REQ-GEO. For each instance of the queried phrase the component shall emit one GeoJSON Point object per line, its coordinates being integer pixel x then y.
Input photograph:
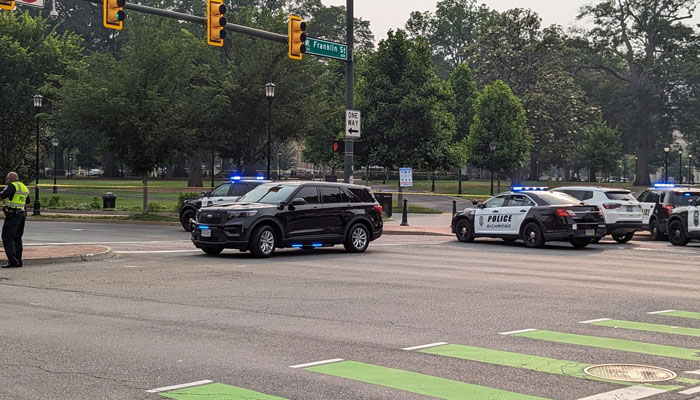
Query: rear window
{"type": "Point", "coordinates": [682, 198]}
{"type": "Point", "coordinates": [578, 194]}
{"type": "Point", "coordinates": [619, 195]}
{"type": "Point", "coordinates": [557, 198]}
{"type": "Point", "coordinates": [239, 189]}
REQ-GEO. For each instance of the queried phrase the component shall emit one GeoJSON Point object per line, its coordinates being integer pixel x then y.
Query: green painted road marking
{"type": "Point", "coordinates": [615, 344]}
{"type": "Point", "coordinates": [682, 314]}
{"type": "Point", "coordinates": [413, 382]}
{"type": "Point", "coordinates": [689, 381]}
{"type": "Point", "coordinates": [525, 361]}
{"type": "Point", "coordinates": [217, 391]}
{"type": "Point", "coordinates": [641, 326]}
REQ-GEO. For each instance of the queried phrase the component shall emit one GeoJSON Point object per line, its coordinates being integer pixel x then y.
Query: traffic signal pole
{"type": "Point", "coordinates": [349, 89]}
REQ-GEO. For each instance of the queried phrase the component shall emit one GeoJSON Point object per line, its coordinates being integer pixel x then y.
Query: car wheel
{"type": "Point", "coordinates": [185, 219]}
{"type": "Point", "coordinates": [532, 235]}
{"type": "Point", "coordinates": [357, 240]}
{"type": "Point", "coordinates": [595, 240]}
{"type": "Point", "coordinates": [676, 233]}
{"type": "Point", "coordinates": [212, 251]}
{"type": "Point", "coordinates": [655, 231]}
{"type": "Point", "coordinates": [263, 242]}
{"type": "Point", "coordinates": [580, 243]}
{"type": "Point", "coordinates": [465, 232]}
{"type": "Point", "coordinates": [623, 237]}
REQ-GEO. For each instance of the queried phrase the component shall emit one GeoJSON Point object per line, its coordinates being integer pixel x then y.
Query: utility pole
{"type": "Point", "coordinates": [349, 88]}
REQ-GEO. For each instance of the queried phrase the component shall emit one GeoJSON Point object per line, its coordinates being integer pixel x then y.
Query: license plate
{"type": "Point", "coordinates": [590, 232]}
{"type": "Point", "coordinates": [206, 232]}
{"type": "Point", "coordinates": [630, 209]}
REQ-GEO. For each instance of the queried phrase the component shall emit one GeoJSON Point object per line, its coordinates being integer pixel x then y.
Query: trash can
{"type": "Point", "coordinates": [384, 200]}
{"type": "Point", "coordinates": [330, 178]}
{"type": "Point", "coordinates": [109, 200]}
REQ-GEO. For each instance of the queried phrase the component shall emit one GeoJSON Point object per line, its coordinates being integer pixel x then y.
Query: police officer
{"type": "Point", "coordinates": [14, 198]}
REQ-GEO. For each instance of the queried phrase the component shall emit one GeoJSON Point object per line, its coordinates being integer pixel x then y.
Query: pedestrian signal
{"type": "Point", "coordinates": [338, 146]}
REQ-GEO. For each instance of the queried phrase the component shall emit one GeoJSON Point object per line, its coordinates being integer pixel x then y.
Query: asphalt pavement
{"type": "Point", "coordinates": [501, 321]}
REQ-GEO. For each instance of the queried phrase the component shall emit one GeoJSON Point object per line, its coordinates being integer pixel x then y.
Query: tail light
{"type": "Point", "coordinates": [379, 209]}
{"type": "Point", "coordinates": [612, 206]}
{"type": "Point", "coordinates": [563, 212]}
{"type": "Point", "coordinates": [669, 208]}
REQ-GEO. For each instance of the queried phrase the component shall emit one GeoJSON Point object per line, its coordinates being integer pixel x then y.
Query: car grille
{"type": "Point", "coordinates": [210, 218]}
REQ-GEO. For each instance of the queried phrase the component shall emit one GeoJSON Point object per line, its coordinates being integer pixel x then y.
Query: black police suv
{"type": "Point", "coordinates": [658, 204]}
{"type": "Point", "coordinates": [291, 214]}
{"type": "Point", "coordinates": [533, 215]}
{"type": "Point", "coordinates": [684, 222]}
{"type": "Point", "coordinates": [225, 193]}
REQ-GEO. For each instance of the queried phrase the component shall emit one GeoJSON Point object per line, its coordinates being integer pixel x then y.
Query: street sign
{"type": "Point", "coordinates": [352, 124]}
{"type": "Point", "coordinates": [324, 48]}
{"type": "Point", "coordinates": [32, 3]}
{"type": "Point", "coordinates": [406, 177]}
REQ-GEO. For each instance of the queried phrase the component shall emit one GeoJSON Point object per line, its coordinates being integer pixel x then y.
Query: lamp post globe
{"type": "Point", "coordinates": [270, 94]}
{"type": "Point", "coordinates": [37, 107]}
{"type": "Point", "coordinates": [54, 142]}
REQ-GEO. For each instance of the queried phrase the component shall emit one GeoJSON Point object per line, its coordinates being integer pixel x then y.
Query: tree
{"type": "Point", "coordinates": [498, 117]}
{"type": "Point", "coordinates": [638, 42]}
{"type": "Point", "coordinates": [601, 149]}
{"type": "Point", "coordinates": [404, 105]}
{"type": "Point", "coordinates": [329, 22]}
{"type": "Point", "coordinates": [462, 109]}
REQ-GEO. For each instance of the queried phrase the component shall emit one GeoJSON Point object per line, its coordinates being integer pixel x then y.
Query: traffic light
{"type": "Point", "coordinates": [339, 146]}
{"type": "Point", "coordinates": [113, 13]}
{"type": "Point", "coordinates": [297, 37]}
{"type": "Point", "coordinates": [216, 22]}
{"type": "Point", "coordinates": [7, 4]}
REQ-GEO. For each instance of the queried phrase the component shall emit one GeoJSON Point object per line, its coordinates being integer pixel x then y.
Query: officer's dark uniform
{"type": "Point", "coordinates": [14, 198]}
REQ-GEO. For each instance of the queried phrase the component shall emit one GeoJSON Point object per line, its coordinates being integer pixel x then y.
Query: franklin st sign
{"type": "Point", "coordinates": [324, 48]}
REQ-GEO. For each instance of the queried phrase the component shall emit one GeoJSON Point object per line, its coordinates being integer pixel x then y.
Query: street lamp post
{"type": "Point", "coordinates": [537, 170]}
{"type": "Point", "coordinates": [666, 150]}
{"type": "Point", "coordinates": [492, 147]}
{"type": "Point", "coordinates": [270, 94]}
{"type": "Point", "coordinates": [279, 170]}
{"type": "Point", "coordinates": [70, 161]}
{"type": "Point", "coordinates": [690, 169]}
{"type": "Point", "coordinates": [37, 107]}
{"type": "Point", "coordinates": [680, 166]}
{"type": "Point", "coordinates": [54, 142]}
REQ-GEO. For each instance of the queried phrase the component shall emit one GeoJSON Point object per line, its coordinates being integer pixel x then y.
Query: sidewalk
{"type": "Point", "coordinates": [39, 254]}
{"type": "Point", "coordinates": [419, 224]}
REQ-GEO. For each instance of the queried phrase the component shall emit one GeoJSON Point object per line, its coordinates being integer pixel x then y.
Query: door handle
{"type": "Point", "coordinates": [494, 211]}
{"type": "Point", "coordinates": [523, 210]}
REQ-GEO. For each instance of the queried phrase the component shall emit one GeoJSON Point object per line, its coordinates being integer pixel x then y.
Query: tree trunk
{"type": "Point", "coordinates": [643, 131]}
{"type": "Point", "coordinates": [386, 175]}
{"type": "Point", "coordinates": [111, 169]}
{"type": "Point", "coordinates": [179, 167]}
{"type": "Point", "coordinates": [533, 168]}
{"type": "Point", "coordinates": [145, 194]}
{"type": "Point", "coordinates": [195, 177]}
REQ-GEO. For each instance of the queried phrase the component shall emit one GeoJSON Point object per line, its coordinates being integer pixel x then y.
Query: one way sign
{"type": "Point", "coordinates": [352, 124]}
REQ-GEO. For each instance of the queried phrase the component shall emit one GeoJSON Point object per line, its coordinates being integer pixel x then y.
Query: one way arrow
{"type": "Point", "coordinates": [351, 131]}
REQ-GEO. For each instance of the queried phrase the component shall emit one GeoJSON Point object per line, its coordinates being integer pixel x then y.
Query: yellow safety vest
{"type": "Point", "coordinates": [20, 198]}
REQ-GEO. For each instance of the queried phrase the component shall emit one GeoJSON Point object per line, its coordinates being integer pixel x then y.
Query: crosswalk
{"type": "Point", "coordinates": [682, 384]}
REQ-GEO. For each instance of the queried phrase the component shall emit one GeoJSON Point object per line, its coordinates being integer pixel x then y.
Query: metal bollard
{"type": "Point", "coordinates": [454, 207]}
{"type": "Point", "coordinates": [404, 218]}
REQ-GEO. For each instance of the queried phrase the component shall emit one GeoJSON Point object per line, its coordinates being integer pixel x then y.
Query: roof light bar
{"type": "Point", "coordinates": [528, 188]}
{"type": "Point", "coordinates": [661, 185]}
{"type": "Point", "coordinates": [236, 178]}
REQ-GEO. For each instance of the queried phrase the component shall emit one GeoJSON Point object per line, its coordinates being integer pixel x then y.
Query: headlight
{"type": "Point", "coordinates": [241, 214]}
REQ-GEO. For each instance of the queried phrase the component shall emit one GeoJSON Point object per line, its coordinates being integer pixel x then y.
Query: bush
{"type": "Point", "coordinates": [54, 202]}
{"type": "Point", "coordinates": [95, 203]}
{"type": "Point", "coordinates": [156, 207]}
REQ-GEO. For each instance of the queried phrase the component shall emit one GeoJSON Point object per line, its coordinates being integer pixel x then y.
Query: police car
{"type": "Point", "coordinates": [658, 204]}
{"type": "Point", "coordinates": [684, 222]}
{"type": "Point", "coordinates": [534, 215]}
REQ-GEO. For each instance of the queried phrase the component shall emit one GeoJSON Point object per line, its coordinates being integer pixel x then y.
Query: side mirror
{"type": "Point", "coordinates": [475, 202]}
{"type": "Point", "coordinates": [298, 202]}
{"type": "Point", "coordinates": [481, 206]}
{"type": "Point", "coordinates": [205, 194]}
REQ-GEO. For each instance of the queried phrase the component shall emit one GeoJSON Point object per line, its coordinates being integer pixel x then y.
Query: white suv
{"type": "Point", "coordinates": [623, 213]}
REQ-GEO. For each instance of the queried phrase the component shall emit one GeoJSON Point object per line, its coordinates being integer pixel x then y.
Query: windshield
{"type": "Point", "coordinates": [268, 194]}
{"type": "Point", "coordinates": [619, 195]}
{"type": "Point", "coordinates": [683, 198]}
{"type": "Point", "coordinates": [557, 198]}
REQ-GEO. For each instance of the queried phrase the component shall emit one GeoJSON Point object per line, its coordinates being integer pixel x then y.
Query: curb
{"type": "Point", "coordinates": [415, 233]}
{"type": "Point", "coordinates": [106, 221]}
{"type": "Point", "coordinates": [101, 256]}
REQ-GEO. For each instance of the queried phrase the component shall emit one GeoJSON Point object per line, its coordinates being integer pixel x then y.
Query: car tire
{"type": "Point", "coordinates": [263, 242]}
{"type": "Point", "coordinates": [357, 240]}
{"type": "Point", "coordinates": [595, 240]}
{"type": "Point", "coordinates": [465, 231]}
{"type": "Point", "coordinates": [655, 230]}
{"type": "Point", "coordinates": [185, 219]}
{"type": "Point", "coordinates": [213, 251]}
{"type": "Point", "coordinates": [532, 235]}
{"type": "Point", "coordinates": [580, 243]}
{"type": "Point", "coordinates": [623, 237]}
{"type": "Point", "coordinates": [676, 233]}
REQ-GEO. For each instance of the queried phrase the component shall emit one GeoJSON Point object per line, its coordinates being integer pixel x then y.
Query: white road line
{"type": "Point", "coordinates": [691, 391]}
{"type": "Point", "coordinates": [660, 312]}
{"type": "Point", "coordinates": [184, 385]}
{"type": "Point", "coordinates": [696, 372]}
{"type": "Point", "coordinates": [311, 364]}
{"type": "Point", "coordinates": [520, 331]}
{"type": "Point", "coordinates": [155, 251]}
{"type": "Point", "coordinates": [629, 393]}
{"type": "Point", "coordinates": [425, 346]}
{"type": "Point", "coordinates": [595, 320]}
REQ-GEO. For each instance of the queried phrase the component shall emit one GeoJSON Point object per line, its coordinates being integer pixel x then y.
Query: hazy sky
{"type": "Point", "coordinates": [390, 14]}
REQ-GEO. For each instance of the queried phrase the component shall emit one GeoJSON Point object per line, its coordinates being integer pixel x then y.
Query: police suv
{"type": "Point", "coordinates": [534, 215]}
{"type": "Point", "coordinates": [658, 204]}
{"type": "Point", "coordinates": [684, 222]}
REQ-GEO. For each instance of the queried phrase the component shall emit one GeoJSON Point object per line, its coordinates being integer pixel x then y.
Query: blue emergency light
{"type": "Point", "coordinates": [236, 178]}
{"type": "Point", "coordinates": [297, 246]}
{"type": "Point", "coordinates": [661, 185]}
{"type": "Point", "coordinates": [317, 245]}
{"type": "Point", "coordinates": [202, 227]}
{"type": "Point", "coordinates": [528, 188]}
{"type": "Point", "coordinates": [260, 178]}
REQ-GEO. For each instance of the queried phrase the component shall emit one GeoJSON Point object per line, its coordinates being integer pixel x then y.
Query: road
{"type": "Point", "coordinates": [159, 314]}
